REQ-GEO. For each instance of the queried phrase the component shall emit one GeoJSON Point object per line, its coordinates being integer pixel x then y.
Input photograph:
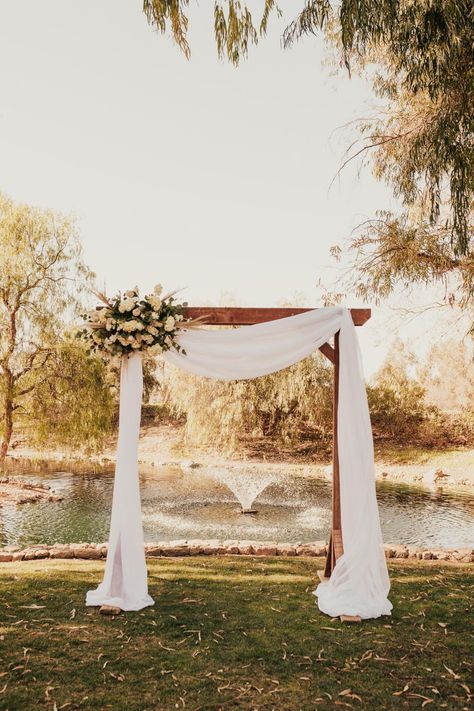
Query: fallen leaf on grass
{"type": "Point", "coordinates": [333, 629]}
{"type": "Point", "coordinates": [426, 701]}
{"type": "Point", "coordinates": [399, 693]}
{"type": "Point", "coordinates": [456, 676]}
{"type": "Point", "coordinates": [350, 695]}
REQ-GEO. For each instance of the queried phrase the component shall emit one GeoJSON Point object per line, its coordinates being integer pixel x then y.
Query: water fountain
{"type": "Point", "coordinates": [245, 486]}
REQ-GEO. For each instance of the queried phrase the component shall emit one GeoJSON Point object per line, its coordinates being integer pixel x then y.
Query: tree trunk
{"type": "Point", "coordinates": [8, 422]}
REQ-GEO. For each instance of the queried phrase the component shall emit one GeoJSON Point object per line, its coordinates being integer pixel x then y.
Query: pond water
{"type": "Point", "coordinates": [204, 503]}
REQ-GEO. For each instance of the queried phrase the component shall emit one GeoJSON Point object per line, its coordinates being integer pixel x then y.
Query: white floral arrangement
{"type": "Point", "coordinates": [129, 324]}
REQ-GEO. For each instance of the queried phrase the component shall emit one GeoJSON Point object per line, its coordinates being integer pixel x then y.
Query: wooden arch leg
{"type": "Point", "coordinates": [335, 547]}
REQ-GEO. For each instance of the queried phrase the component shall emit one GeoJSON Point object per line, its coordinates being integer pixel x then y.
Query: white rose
{"type": "Point", "coordinates": [155, 350]}
{"type": "Point", "coordinates": [168, 341]}
{"type": "Point", "coordinates": [127, 304]}
{"type": "Point", "coordinates": [152, 329]}
{"type": "Point", "coordinates": [135, 345]}
{"type": "Point", "coordinates": [155, 302]}
{"type": "Point", "coordinates": [169, 323]}
{"type": "Point", "coordinates": [129, 326]}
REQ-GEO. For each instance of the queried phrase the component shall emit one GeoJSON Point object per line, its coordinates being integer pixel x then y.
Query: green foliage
{"type": "Point", "coordinates": [71, 405]}
{"type": "Point", "coordinates": [286, 406]}
{"type": "Point", "coordinates": [294, 406]}
{"type": "Point", "coordinates": [234, 26]}
{"type": "Point", "coordinates": [447, 374]}
{"type": "Point", "coordinates": [41, 278]}
{"type": "Point", "coordinates": [396, 413]}
{"type": "Point", "coordinates": [424, 64]}
{"type": "Point", "coordinates": [390, 252]}
{"type": "Point", "coordinates": [423, 52]}
{"type": "Point", "coordinates": [402, 412]}
{"type": "Point", "coordinates": [230, 633]}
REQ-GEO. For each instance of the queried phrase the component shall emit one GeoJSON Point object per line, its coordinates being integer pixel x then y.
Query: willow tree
{"type": "Point", "coordinates": [41, 278]}
{"type": "Point", "coordinates": [423, 55]}
{"type": "Point", "coordinates": [292, 405]}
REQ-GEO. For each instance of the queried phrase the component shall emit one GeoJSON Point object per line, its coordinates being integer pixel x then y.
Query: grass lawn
{"type": "Point", "coordinates": [233, 633]}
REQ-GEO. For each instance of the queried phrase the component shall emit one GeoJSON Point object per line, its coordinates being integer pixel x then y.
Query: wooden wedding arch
{"type": "Point", "coordinates": [240, 316]}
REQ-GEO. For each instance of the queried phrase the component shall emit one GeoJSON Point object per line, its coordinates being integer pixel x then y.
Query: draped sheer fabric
{"type": "Point", "coordinates": [359, 584]}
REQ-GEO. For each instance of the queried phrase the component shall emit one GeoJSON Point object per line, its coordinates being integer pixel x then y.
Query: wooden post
{"type": "Point", "coordinates": [335, 548]}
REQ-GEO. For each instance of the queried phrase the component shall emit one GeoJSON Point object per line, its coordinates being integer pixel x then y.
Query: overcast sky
{"type": "Point", "coordinates": [191, 173]}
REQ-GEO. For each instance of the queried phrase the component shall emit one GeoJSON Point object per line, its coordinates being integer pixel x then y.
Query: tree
{"type": "Point", "coordinates": [71, 404]}
{"type": "Point", "coordinates": [396, 399]}
{"type": "Point", "coordinates": [448, 376]}
{"type": "Point", "coordinates": [423, 405]}
{"type": "Point", "coordinates": [423, 51]}
{"type": "Point", "coordinates": [294, 404]}
{"type": "Point", "coordinates": [41, 278]}
{"type": "Point", "coordinates": [390, 252]}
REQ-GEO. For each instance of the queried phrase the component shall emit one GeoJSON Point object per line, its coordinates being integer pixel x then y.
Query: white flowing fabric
{"type": "Point", "coordinates": [359, 583]}
{"type": "Point", "coordinates": [125, 577]}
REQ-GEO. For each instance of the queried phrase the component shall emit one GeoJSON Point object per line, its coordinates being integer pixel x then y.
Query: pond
{"type": "Point", "coordinates": [207, 504]}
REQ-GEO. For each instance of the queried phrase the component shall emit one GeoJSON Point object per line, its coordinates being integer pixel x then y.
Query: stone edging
{"type": "Point", "coordinates": [98, 551]}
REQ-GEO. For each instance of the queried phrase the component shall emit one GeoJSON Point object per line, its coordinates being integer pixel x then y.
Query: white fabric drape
{"type": "Point", "coordinates": [125, 578]}
{"type": "Point", "coordinates": [359, 583]}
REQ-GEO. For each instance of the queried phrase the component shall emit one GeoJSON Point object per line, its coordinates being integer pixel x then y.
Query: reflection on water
{"type": "Point", "coordinates": [179, 504]}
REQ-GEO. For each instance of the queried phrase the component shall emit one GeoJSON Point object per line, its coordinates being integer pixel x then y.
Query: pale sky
{"type": "Point", "coordinates": [190, 173]}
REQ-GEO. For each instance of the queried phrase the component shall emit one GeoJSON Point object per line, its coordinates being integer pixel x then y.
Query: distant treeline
{"type": "Point", "coordinates": [410, 404]}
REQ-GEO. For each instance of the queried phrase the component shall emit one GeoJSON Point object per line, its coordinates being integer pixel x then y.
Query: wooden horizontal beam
{"type": "Point", "coordinates": [242, 316]}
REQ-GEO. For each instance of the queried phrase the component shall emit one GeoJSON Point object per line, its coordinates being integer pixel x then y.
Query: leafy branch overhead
{"type": "Point", "coordinates": [423, 54]}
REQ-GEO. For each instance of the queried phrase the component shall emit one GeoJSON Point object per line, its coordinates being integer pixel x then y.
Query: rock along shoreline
{"type": "Point", "coordinates": [178, 548]}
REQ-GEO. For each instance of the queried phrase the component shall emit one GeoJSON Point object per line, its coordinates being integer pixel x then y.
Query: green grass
{"type": "Point", "coordinates": [233, 633]}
